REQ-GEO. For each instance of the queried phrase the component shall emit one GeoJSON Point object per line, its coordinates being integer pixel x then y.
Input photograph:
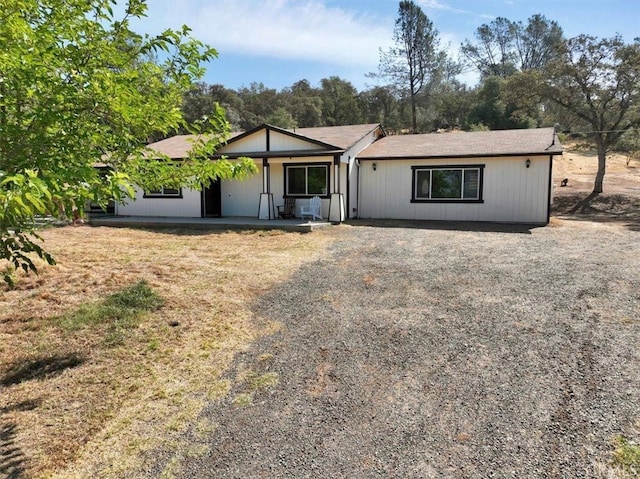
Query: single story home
{"type": "Point", "coordinates": [497, 176]}
{"type": "Point", "coordinates": [359, 171]}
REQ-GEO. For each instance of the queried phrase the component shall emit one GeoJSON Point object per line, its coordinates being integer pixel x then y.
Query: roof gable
{"type": "Point", "coordinates": [268, 138]}
{"type": "Point", "coordinates": [281, 136]}
{"type": "Point", "coordinates": [271, 139]}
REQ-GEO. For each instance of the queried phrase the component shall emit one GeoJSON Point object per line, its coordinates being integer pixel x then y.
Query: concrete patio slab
{"type": "Point", "coordinates": [206, 223]}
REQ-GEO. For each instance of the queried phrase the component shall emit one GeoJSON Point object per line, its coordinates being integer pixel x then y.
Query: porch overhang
{"type": "Point", "coordinates": [279, 154]}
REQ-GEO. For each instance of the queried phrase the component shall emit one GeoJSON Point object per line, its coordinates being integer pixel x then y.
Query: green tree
{"type": "Point", "coordinates": [537, 43]}
{"type": "Point", "coordinates": [502, 47]}
{"type": "Point", "coordinates": [415, 60]}
{"type": "Point", "coordinates": [259, 102]}
{"type": "Point", "coordinates": [380, 105]}
{"type": "Point", "coordinates": [197, 103]}
{"type": "Point", "coordinates": [304, 103]}
{"type": "Point", "coordinates": [497, 111]}
{"type": "Point", "coordinates": [79, 87]}
{"type": "Point", "coordinates": [455, 104]}
{"type": "Point", "coordinates": [282, 118]}
{"type": "Point", "coordinates": [595, 81]}
{"type": "Point", "coordinates": [339, 102]}
{"type": "Point", "coordinates": [201, 100]}
{"type": "Point", "coordinates": [492, 53]}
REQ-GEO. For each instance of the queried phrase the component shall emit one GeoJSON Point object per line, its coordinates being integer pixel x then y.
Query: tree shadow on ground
{"type": "Point", "coordinates": [619, 209]}
{"type": "Point", "coordinates": [448, 225]}
{"type": "Point", "coordinates": [40, 368]}
{"type": "Point", "coordinates": [12, 459]}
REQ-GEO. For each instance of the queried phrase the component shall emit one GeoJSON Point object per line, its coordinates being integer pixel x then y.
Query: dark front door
{"type": "Point", "coordinates": [212, 200]}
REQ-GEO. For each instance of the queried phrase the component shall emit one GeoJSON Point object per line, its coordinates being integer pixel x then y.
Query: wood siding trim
{"type": "Point", "coordinates": [282, 131]}
{"type": "Point", "coordinates": [451, 157]}
{"type": "Point", "coordinates": [550, 186]}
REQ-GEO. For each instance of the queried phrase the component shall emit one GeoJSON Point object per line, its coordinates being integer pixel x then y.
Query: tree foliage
{"type": "Point", "coordinates": [530, 77]}
{"type": "Point", "coordinates": [595, 81]}
{"type": "Point", "coordinates": [380, 105]}
{"type": "Point", "coordinates": [79, 87]}
{"type": "Point", "coordinates": [339, 102]}
{"type": "Point", "coordinates": [504, 47]}
{"type": "Point", "coordinates": [304, 103]}
{"type": "Point", "coordinates": [415, 61]}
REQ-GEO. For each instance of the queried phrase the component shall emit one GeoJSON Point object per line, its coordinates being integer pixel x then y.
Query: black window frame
{"type": "Point", "coordinates": [326, 165]}
{"type": "Point", "coordinates": [430, 168]}
{"type": "Point", "coordinates": [162, 194]}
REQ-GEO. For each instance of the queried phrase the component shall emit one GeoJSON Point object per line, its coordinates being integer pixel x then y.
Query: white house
{"type": "Point", "coordinates": [299, 164]}
{"type": "Point", "coordinates": [497, 176]}
{"type": "Point", "coordinates": [359, 172]}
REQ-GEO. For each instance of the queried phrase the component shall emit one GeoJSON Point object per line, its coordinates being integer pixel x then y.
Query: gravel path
{"type": "Point", "coordinates": [421, 353]}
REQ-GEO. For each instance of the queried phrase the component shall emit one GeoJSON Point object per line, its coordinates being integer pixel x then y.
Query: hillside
{"type": "Point", "coordinates": [580, 165]}
{"type": "Point", "coordinates": [621, 198]}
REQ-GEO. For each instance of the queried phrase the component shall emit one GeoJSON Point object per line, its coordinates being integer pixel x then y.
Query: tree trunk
{"type": "Point", "coordinates": [414, 121]}
{"type": "Point", "coordinates": [3, 126]}
{"type": "Point", "coordinates": [602, 160]}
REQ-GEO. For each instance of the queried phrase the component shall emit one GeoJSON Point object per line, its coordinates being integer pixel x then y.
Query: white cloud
{"type": "Point", "coordinates": [436, 5]}
{"type": "Point", "coordinates": [283, 29]}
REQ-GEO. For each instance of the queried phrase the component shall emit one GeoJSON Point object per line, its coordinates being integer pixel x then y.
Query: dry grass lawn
{"type": "Point", "coordinates": [88, 406]}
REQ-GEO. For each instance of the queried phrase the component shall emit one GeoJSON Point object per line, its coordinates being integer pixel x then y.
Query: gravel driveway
{"type": "Point", "coordinates": [418, 353]}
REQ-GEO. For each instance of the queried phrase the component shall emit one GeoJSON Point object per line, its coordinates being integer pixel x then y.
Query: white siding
{"type": "Point", "coordinates": [351, 171]}
{"type": "Point", "coordinates": [277, 178]}
{"type": "Point", "coordinates": [242, 198]}
{"type": "Point", "coordinates": [189, 206]}
{"type": "Point", "coordinates": [255, 142]}
{"type": "Point", "coordinates": [238, 198]}
{"type": "Point", "coordinates": [344, 171]}
{"type": "Point", "coordinates": [258, 142]}
{"type": "Point", "coordinates": [281, 142]}
{"type": "Point", "coordinates": [512, 192]}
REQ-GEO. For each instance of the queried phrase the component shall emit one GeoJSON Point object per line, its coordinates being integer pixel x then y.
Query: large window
{"type": "Point", "coordinates": [447, 183]}
{"type": "Point", "coordinates": [306, 180]}
{"type": "Point", "coordinates": [164, 193]}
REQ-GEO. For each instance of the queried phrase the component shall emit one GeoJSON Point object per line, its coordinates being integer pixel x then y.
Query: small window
{"type": "Point", "coordinates": [164, 192]}
{"type": "Point", "coordinates": [447, 183]}
{"type": "Point", "coordinates": [306, 180]}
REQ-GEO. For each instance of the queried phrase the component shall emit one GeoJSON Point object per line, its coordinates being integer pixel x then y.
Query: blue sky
{"type": "Point", "coordinates": [278, 42]}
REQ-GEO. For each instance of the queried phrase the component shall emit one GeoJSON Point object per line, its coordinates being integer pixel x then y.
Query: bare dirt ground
{"type": "Point", "coordinates": [620, 201]}
{"type": "Point", "coordinates": [580, 164]}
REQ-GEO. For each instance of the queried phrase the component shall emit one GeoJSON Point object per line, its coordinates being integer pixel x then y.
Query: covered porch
{"type": "Point", "coordinates": [232, 222]}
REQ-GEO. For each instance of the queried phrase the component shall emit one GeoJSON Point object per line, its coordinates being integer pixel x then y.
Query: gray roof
{"type": "Point", "coordinates": [343, 137]}
{"type": "Point", "coordinates": [536, 141]}
{"type": "Point", "coordinates": [177, 146]}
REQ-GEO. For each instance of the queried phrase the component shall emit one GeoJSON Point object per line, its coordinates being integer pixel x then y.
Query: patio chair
{"type": "Point", "coordinates": [313, 210]}
{"type": "Point", "coordinates": [288, 210]}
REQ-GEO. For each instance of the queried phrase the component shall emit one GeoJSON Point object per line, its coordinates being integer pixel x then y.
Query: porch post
{"type": "Point", "coordinates": [336, 203]}
{"type": "Point", "coordinates": [266, 208]}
